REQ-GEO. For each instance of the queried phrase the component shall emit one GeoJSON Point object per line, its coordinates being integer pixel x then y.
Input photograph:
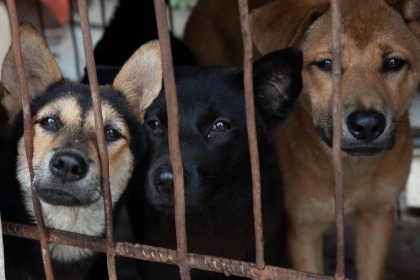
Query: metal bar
{"type": "Point", "coordinates": [103, 13]}
{"type": "Point", "coordinates": [161, 255]}
{"type": "Point", "coordinates": [103, 153]}
{"type": "Point", "coordinates": [337, 116]}
{"type": "Point", "coordinates": [2, 274]}
{"type": "Point", "coordinates": [252, 132]}
{"type": "Point", "coordinates": [173, 134]}
{"type": "Point", "coordinates": [28, 135]}
{"type": "Point", "coordinates": [74, 41]}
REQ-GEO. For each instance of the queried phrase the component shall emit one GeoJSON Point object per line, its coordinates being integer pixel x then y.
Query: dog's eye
{"type": "Point", "coordinates": [221, 126]}
{"type": "Point", "coordinates": [112, 135]}
{"type": "Point", "coordinates": [49, 123]}
{"type": "Point", "coordinates": [154, 124]}
{"type": "Point", "coordinates": [394, 64]}
{"type": "Point", "coordinates": [324, 65]}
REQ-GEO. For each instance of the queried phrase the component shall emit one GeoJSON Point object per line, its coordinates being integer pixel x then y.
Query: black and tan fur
{"type": "Point", "coordinates": [66, 162]}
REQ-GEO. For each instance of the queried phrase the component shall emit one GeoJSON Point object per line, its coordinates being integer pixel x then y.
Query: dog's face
{"type": "Point", "coordinates": [213, 133]}
{"type": "Point", "coordinates": [380, 68]}
{"type": "Point", "coordinates": [66, 160]}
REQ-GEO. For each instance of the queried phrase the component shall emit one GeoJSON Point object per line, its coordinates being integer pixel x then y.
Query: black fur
{"type": "Point", "coordinates": [217, 174]}
{"type": "Point", "coordinates": [22, 256]}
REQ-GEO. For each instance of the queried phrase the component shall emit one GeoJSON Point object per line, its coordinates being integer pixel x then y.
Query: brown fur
{"type": "Point", "coordinates": [372, 30]}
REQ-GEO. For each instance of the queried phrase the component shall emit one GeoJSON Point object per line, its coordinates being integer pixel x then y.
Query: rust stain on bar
{"type": "Point", "coordinates": [252, 132]}
{"type": "Point", "coordinates": [28, 135]}
{"type": "Point", "coordinates": [173, 134]}
{"type": "Point", "coordinates": [161, 255]}
{"type": "Point", "coordinates": [337, 135]}
{"type": "Point", "coordinates": [103, 153]}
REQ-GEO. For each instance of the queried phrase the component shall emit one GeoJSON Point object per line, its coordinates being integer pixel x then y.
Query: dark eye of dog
{"type": "Point", "coordinates": [324, 65]}
{"type": "Point", "coordinates": [221, 126]}
{"type": "Point", "coordinates": [112, 134]}
{"type": "Point", "coordinates": [49, 123]}
{"type": "Point", "coordinates": [154, 124]}
{"type": "Point", "coordinates": [393, 64]}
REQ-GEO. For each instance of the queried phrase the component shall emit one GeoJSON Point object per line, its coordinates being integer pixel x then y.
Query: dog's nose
{"type": "Point", "coordinates": [164, 180]}
{"type": "Point", "coordinates": [366, 125]}
{"type": "Point", "coordinates": [68, 167]}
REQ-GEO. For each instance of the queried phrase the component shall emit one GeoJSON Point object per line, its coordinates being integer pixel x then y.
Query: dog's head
{"type": "Point", "coordinates": [66, 161]}
{"type": "Point", "coordinates": [380, 64]}
{"type": "Point", "coordinates": [213, 132]}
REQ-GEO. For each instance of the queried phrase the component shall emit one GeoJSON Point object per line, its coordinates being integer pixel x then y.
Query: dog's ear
{"type": "Point", "coordinates": [41, 69]}
{"type": "Point", "coordinates": [277, 85]}
{"type": "Point", "coordinates": [140, 79]}
{"type": "Point", "coordinates": [281, 24]}
{"type": "Point", "coordinates": [411, 15]}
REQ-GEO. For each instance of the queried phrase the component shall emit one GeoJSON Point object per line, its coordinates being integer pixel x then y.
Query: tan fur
{"type": "Point", "coordinates": [142, 76]}
{"type": "Point", "coordinates": [372, 30]}
{"type": "Point", "coordinates": [141, 87]}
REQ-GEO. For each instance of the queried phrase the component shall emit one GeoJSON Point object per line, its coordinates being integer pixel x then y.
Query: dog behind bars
{"type": "Point", "coordinates": [216, 161]}
{"type": "Point", "coordinates": [66, 162]}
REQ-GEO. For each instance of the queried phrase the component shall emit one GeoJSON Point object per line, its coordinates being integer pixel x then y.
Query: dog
{"type": "Point", "coordinates": [66, 162]}
{"type": "Point", "coordinates": [380, 76]}
{"type": "Point", "coordinates": [215, 156]}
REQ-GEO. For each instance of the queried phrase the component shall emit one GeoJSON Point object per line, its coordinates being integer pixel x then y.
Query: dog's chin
{"type": "Point", "coordinates": [59, 197]}
{"type": "Point", "coordinates": [355, 147]}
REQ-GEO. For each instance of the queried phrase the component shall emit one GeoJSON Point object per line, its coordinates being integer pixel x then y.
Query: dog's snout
{"type": "Point", "coordinates": [366, 125]}
{"type": "Point", "coordinates": [164, 180]}
{"type": "Point", "coordinates": [68, 167]}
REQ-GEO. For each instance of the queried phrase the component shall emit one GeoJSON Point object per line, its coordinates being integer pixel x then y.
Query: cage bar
{"type": "Point", "coordinates": [2, 274]}
{"type": "Point", "coordinates": [252, 133]}
{"type": "Point", "coordinates": [337, 130]}
{"type": "Point", "coordinates": [173, 135]}
{"type": "Point", "coordinates": [28, 134]}
{"type": "Point", "coordinates": [103, 153]}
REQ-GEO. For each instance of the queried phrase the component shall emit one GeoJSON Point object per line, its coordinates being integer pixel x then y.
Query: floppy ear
{"type": "Point", "coordinates": [41, 69]}
{"type": "Point", "coordinates": [277, 85]}
{"type": "Point", "coordinates": [140, 79]}
{"type": "Point", "coordinates": [281, 24]}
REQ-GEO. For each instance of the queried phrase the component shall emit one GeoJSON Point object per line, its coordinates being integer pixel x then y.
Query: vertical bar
{"type": "Point", "coordinates": [103, 154]}
{"type": "Point", "coordinates": [103, 13]}
{"type": "Point", "coordinates": [40, 17]}
{"type": "Point", "coordinates": [2, 274]}
{"type": "Point", "coordinates": [337, 116]}
{"type": "Point", "coordinates": [173, 134]}
{"type": "Point", "coordinates": [74, 41]}
{"type": "Point", "coordinates": [28, 135]}
{"type": "Point", "coordinates": [252, 134]}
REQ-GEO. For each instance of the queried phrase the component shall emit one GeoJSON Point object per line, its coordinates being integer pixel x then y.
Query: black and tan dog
{"type": "Point", "coordinates": [66, 161]}
{"type": "Point", "coordinates": [381, 72]}
{"type": "Point", "coordinates": [215, 156]}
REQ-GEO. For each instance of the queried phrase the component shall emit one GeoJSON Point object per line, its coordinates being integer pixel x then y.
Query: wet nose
{"type": "Point", "coordinates": [164, 180]}
{"type": "Point", "coordinates": [366, 125]}
{"type": "Point", "coordinates": [68, 167]}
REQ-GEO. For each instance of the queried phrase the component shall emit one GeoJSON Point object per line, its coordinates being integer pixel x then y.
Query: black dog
{"type": "Point", "coordinates": [215, 155]}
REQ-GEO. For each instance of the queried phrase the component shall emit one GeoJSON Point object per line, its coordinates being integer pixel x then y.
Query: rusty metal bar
{"type": "Point", "coordinates": [161, 255]}
{"type": "Point", "coordinates": [28, 134]}
{"type": "Point", "coordinates": [252, 132]}
{"type": "Point", "coordinates": [74, 41]}
{"type": "Point", "coordinates": [2, 274]}
{"type": "Point", "coordinates": [337, 136]}
{"type": "Point", "coordinates": [103, 153]}
{"type": "Point", "coordinates": [173, 135]}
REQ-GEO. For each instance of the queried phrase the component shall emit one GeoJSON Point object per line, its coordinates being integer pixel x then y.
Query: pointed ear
{"type": "Point", "coordinates": [411, 15]}
{"type": "Point", "coordinates": [277, 85]}
{"type": "Point", "coordinates": [41, 69]}
{"type": "Point", "coordinates": [140, 79]}
{"type": "Point", "coordinates": [281, 24]}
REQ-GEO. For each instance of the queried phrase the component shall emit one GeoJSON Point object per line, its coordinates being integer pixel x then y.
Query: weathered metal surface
{"type": "Point", "coordinates": [28, 134]}
{"type": "Point", "coordinates": [337, 135]}
{"type": "Point", "coordinates": [99, 127]}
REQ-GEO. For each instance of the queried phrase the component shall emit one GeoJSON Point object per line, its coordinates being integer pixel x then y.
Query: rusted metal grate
{"type": "Point", "coordinates": [180, 257]}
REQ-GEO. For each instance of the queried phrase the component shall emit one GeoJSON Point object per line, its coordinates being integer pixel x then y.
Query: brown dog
{"type": "Point", "coordinates": [381, 72]}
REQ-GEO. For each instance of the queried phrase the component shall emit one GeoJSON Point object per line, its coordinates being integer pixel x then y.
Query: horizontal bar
{"type": "Point", "coordinates": [161, 255]}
